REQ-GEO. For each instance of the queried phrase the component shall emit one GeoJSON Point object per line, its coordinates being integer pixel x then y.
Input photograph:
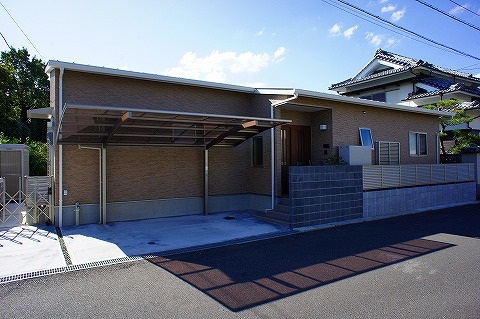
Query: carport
{"type": "Point", "coordinates": [97, 127]}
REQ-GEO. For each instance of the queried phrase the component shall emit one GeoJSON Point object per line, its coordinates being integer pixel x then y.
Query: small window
{"type": "Point", "coordinates": [365, 137]}
{"type": "Point", "coordinates": [418, 143]}
{"type": "Point", "coordinates": [257, 151]}
{"type": "Point", "coordinates": [380, 97]}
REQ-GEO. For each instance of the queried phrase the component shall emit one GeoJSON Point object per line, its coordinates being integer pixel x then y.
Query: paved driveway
{"type": "Point", "coordinates": [418, 266]}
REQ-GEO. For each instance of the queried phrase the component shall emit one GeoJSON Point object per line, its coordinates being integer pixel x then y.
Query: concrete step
{"type": "Point", "coordinates": [270, 219]}
{"type": "Point", "coordinates": [281, 208]}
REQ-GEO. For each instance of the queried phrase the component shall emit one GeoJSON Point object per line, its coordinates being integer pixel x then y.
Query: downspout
{"type": "Point", "coordinates": [272, 143]}
{"type": "Point", "coordinates": [60, 152]}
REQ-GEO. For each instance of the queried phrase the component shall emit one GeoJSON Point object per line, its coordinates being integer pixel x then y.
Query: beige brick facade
{"type": "Point", "coordinates": [147, 173]}
{"type": "Point", "coordinates": [151, 173]}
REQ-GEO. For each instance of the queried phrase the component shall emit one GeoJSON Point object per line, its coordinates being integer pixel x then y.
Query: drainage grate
{"type": "Point", "coordinates": [68, 268]}
{"type": "Point", "coordinates": [66, 255]}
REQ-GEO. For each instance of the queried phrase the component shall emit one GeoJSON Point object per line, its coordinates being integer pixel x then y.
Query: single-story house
{"type": "Point", "coordinates": [128, 145]}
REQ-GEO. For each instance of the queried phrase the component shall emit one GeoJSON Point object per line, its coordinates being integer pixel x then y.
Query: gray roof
{"type": "Point", "coordinates": [406, 63]}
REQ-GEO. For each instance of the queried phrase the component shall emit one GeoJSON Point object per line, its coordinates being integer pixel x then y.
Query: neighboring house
{"type": "Point", "coordinates": [129, 145]}
{"type": "Point", "coordinates": [393, 78]}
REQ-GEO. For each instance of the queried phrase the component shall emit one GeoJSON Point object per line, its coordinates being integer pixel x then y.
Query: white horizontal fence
{"type": "Point", "coordinates": [395, 176]}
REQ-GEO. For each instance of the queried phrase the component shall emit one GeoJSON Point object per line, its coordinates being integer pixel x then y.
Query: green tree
{"type": "Point", "coordinates": [461, 138]}
{"type": "Point", "coordinates": [24, 86]}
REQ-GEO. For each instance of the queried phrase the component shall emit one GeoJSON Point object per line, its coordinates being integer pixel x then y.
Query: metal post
{"type": "Point", "coordinates": [104, 185]}
{"type": "Point", "coordinates": [50, 199]}
{"type": "Point", "coordinates": [205, 198]}
{"type": "Point", "coordinates": [60, 185]}
{"type": "Point", "coordinates": [3, 198]}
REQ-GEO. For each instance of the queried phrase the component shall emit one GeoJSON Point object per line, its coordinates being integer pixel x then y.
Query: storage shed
{"type": "Point", "coordinates": [14, 164]}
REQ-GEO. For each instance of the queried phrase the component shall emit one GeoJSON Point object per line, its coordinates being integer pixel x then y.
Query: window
{"type": "Point", "coordinates": [365, 137]}
{"type": "Point", "coordinates": [418, 143]}
{"type": "Point", "coordinates": [380, 97]}
{"type": "Point", "coordinates": [257, 151]}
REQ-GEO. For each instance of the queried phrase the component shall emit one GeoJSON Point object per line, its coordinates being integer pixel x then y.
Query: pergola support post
{"type": "Point", "coordinates": [104, 185]}
{"type": "Point", "coordinates": [205, 187]}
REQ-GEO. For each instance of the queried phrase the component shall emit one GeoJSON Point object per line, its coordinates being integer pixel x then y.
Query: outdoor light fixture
{"type": "Point", "coordinates": [322, 127]}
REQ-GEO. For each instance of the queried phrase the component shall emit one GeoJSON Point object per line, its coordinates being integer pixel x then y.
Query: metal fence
{"type": "Point", "coordinates": [395, 176]}
{"type": "Point", "coordinates": [27, 206]}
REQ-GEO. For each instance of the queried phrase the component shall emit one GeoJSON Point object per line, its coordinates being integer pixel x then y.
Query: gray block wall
{"type": "Point", "coordinates": [399, 201]}
{"type": "Point", "coordinates": [324, 194]}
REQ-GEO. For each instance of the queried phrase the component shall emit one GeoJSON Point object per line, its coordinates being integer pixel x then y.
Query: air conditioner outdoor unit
{"type": "Point", "coordinates": [356, 155]}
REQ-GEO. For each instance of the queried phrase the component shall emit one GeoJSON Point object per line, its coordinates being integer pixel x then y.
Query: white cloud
{"type": "Point", "coordinates": [260, 33]}
{"type": "Point", "coordinates": [459, 9]}
{"type": "Point", "coordinates": [388, 8]}
{"type": "Point", "coordinates": [335, 30]}
{"type": "Point", "coordinates": [217, 65]}
{"type": "Point", "coordinates": [397, 15]}
{"type": "Point", "coordinates": [374, 39]}
{"type": "Point", "coordinates": [279, 55]}
{"type": "Point", "coordinates": [349, 32]}
{"type": "Point", "coordinates": [391, 42]}
{"type": "Point", "coordinates": [477, 75]}
{"type": "Point", "coordinates": [383, 1]}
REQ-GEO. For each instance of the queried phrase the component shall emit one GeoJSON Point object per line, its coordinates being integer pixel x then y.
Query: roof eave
{"type": "Point", "coordinates": [53, 64]}
{"type": "Point", "coordinates": [354, 100]}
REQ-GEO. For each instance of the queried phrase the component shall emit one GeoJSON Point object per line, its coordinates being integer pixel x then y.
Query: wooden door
{"type": "Point", "coordinates": [296, 149]}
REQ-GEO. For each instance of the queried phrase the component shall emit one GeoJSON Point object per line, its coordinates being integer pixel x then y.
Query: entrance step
{"type": "Point", "coordinates": [279, 215]}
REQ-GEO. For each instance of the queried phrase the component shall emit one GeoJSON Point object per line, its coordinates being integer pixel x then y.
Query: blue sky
{"type": "Point", "coordinates": [302, 44]}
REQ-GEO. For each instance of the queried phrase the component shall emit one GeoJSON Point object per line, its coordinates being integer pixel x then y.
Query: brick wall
{"type": "Point", "coordinates": [136, 173]}
{"type": "Point", "coordinates": [344, 119]}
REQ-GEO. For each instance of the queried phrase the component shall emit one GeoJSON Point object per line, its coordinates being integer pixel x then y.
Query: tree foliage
{"type": "Point", "coordinates": [461, 138]}
{"type": "Point", "coordinates": [24, 86]}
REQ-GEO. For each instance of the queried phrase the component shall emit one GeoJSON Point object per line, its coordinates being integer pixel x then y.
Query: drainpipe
{"type": "Point", "coordinates": [272, 142]}
{"type": "Point", "coordinates": [60, 152]}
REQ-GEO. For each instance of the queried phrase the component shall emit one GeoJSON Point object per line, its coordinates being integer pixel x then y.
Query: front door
{"type": "Point", "coordinates": [296, 148]}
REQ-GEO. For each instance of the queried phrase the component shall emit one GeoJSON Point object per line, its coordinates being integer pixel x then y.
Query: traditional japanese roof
{"type": "Point", "coordinates": [443, 86]}
{"type": "Point", "coordinates": [400, 64]}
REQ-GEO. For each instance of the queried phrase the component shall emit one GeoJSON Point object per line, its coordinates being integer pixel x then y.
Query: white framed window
{"type": "Point", "coordinates": [417, 142]}
{"type": "Point", "coordinates": [365, 137]}
{"type": "Point", "coordinates": [257, 151]}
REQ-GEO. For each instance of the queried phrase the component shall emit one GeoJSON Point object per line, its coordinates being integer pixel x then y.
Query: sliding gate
{"type": "Point", "coordinates": [30, 205]}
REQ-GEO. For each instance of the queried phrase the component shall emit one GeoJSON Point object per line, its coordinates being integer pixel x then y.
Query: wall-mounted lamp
{"type": "Point", "coordinates": [322, 127]}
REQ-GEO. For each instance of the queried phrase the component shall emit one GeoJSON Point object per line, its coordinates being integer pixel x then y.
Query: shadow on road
{"type": "Point", "coordinates": [247, 275]}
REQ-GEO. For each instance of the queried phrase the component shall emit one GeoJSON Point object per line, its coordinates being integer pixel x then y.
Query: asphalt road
{"type": "Point", "coordinates": [418, 266]}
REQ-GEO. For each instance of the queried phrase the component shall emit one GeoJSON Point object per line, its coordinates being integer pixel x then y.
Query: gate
{"type": "Point", "coordinates": [30, 205]}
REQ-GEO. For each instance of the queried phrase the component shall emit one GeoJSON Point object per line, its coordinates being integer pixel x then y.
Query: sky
{"type": "Point", "coordinates": [274, 44]}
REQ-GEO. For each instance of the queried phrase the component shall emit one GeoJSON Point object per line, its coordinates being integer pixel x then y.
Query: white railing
{"type": "Point", "coordinates": [395, 176]}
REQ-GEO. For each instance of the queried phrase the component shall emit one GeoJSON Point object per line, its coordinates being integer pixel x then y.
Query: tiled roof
{"type": "Point", "coordinates": [405, 62]}
{"type": "Point", "coordinates": [443, 86]}
{"type": "Point", "coordinates": [469, 105]}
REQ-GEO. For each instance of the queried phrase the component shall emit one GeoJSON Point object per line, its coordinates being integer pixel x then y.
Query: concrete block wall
{"type": "Point", "coordinates": [325, 194]}
{"type": "Point", "coordinates": [399, 201]}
